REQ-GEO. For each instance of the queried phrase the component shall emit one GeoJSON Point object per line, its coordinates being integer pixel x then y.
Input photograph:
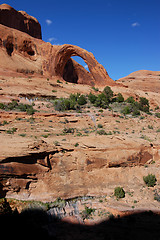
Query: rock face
{"type": "Point", "coordinates": [75, 73]}
{"type": "Point", "coordinates": [144, 80]}
{"type": "Point", "coordinates": [20, 20]}
{"type": "Point", "coordinates": [97, 71]}
{"type": "Point", "coordinates": [48, 172]}
{"type": "Point", "coordinates": [27, 53]}
{"type": "Point", "coordinates": [77, 153]}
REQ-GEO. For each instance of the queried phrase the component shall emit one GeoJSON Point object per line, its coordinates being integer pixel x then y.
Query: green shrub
{"type": "Point", "coordinates": [86, 214]}
{"type": "Point", "coordinates": [45, 135]}
{"type": "Point", "coordinates": [74, 97]}
{"type": "Point", "coordinates": [136, 112]}
{"type": "Point", "coordinates": [30, 111]}
{"type": "Point", "coordinates": [144, 104]}
{"type": "Point", "coordinates": [119, 98]}
{"type": "Point", "coordinates": [130, 100]}
{"type": "Point", "coordinates": [126, 110]}
{"type": "Point", "coordinates": [60, 203]}
{"type": "Point", "coordinates": [101, 101]}
{"type": "Point", "coordinates": [72, 103]}
{"type": "Point", "coordinates": [68, 130]}
{"type": "Point", "coordinates": [119, 192]}
{"type": "Point", "coordinates": [150, 180]}
{"type": "Point", "coordinates": [157, 115]}
{"type": "Point", "coordinates": [108, 93]}
{"type": "Point", "coordinates": [11, 131]}
{"type": "Point", "coordinates": [82, 100]}
{"type": "Point", "coordinates": [100, 125]}
{"type": "Point", "coordinates": [92, 98]}
{"type": "Point", "coordinates": [95, 89]}
{"type": "Point", "coordinates": [76, 144]}
{"type": "Point", "coordinates": [12, 105]}
{"type": "Point", "coordinates": [102, 132]}
{"type": "Point", "coordinates": [58, 81]}
{"type": "Point", "coordinates": [2, 106]}
{"type": "Point", "coordinates": [64, 104]}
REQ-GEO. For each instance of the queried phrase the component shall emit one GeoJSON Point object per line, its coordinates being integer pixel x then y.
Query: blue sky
{"type": "Point", "coordinates": [123, 35]}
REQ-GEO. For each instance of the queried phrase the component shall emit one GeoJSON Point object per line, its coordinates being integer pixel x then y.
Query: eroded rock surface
{"type": "Point", "coordinates": [63, 54]}
{"type": "Point", "coordinates": [40, 160]}
{"type": "Point", "coordinates": [20, 20]}
{"type": "Point", "coordinates": [22, 50]}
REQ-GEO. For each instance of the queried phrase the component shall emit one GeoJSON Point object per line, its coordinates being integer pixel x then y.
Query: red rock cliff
{"type": "Point", "coordinates": [20, 20]}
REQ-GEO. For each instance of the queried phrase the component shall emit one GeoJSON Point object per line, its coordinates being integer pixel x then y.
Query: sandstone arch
{"type": "Point", "coordinates": [97, 71]}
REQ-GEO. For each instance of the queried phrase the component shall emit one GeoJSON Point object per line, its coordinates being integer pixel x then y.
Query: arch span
{"type": "Point", "coordinates": [97, 71]}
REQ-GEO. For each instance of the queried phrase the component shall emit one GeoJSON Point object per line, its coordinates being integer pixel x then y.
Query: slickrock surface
{"type": "Point", "coordinates": [40, 160]}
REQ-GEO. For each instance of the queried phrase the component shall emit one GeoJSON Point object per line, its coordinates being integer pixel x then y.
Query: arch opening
{"type": "Point", "coordinates": [74, 69]}
{"type": "Point", "coordinates": [71, 71]}
{"type": "Point", "coordinates": [81, 61]}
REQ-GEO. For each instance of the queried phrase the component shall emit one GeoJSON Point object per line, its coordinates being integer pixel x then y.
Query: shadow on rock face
{"type": "Point", "coordinates": [35, 223]}
{"type": "Point", "coordinates": [69, 73]}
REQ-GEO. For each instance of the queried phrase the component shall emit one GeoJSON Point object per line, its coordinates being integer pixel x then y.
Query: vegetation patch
{"type": "Point", "coordinates": [105, 99]}
{"type": "Point", "coordinates": [119, 192]}
{"type": "Point", "coordinates": [150, 180]}
{"type": "Point", "coordinates": [14, 105]}
{"type": "Point", "coordinates": [87, 213]}
{"type": "Point", "coordinates": [11, 130]}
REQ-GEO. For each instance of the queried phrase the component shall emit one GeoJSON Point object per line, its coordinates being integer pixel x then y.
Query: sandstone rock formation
{"type": "Point", "coordinates": [145, 80]}
{"type": "Point", "coordinates": [21, 52]}
{"type": "Point", "coordinates": [20, 20]}
{"type": "Point", "coordinates": [39, 160]}
{"type": "Point", "coordinates": [63, 54]}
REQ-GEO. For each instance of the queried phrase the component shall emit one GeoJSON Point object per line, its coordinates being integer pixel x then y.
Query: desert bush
{"type": "Point", "coordinates": [11, 130]}
{"type": "Point", "coordinates": [150, 180]}
{"type": "Point", "coordinates": [136, 112]}
{"type": "Point", "coordinates": [130, 100]}
{"type": "Point", "coordinates": [157, 115]}
{"type": "Point", "coordinates": [2, 106]}
{"type": "Point", "coordinates": [82, 100]}
{"type": "Point", "coordinates": [30, 111]}
{"type": "Point", "coordinates": [74, 96]}
{"type": "Point", "coordinates": [119, 98]}
{"type": "Point", "coordinates": [92, 98]}
{"type": "Point", "coordinates": [101, 101]}
{"type": "Point", "coordinates": [95, 89]}
{"type": "Point", "coordinates": [157, 196]}
{"type": "Point", "coordinates": [102, 132]}
{"type": "Point", "coordinates": [119, 192]}
{"type": "Point", "coordinates": [144, 104]}
{"type": "Point", "coordinates": [86, 214]}
{"type": "Point", "coordinates": [108, 93]}
{"type": "Point", "coordinates": [100, 125]}
{"type": "Point", "coordinates": [12, 105]}
{"type": "Point", "coordinates": [72, 103]}
{"type": "Point", "coordinates": [26, 108]}
{"type": "Point", "coordinates": [150, 127]}
{"type": "Point", "coordinates": [68, 130]}
{"type": "Point", "coordinates": [126, 110]}
{"type": "Point", "coordinates": [64, 104]}
{"type": "Point", "coordinates": [132, 108]}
